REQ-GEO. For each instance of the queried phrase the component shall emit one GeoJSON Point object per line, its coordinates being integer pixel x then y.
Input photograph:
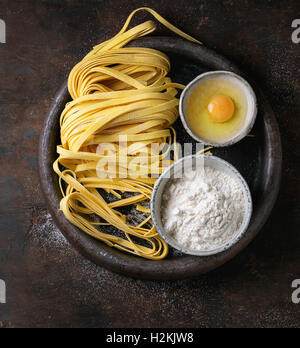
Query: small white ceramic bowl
{"type": "Point", "coordinates": [190, 162]}
{"type": "Point", "coordinates": [242, 84]}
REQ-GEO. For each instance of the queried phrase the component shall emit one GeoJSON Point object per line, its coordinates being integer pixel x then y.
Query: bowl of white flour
{"type": "Point", "coordinates": [201, 205]}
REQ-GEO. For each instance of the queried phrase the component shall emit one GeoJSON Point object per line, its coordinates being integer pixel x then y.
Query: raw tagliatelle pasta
{"type": "Point", "coordinates": [113, 135]}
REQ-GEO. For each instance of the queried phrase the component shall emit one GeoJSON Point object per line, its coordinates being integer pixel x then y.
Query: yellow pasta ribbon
{"type": "Point", "coordinates": [116, 135]}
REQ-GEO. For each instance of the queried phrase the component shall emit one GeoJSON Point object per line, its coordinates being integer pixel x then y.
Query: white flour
{"type": "Point", "coordinates": [203, 211]}
{"type": "Point", "coordinates": [46, 235]}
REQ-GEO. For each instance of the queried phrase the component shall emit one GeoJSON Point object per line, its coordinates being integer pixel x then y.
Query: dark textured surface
{"type": "Point", "coordinates": [261, 167]}
{"type": "Point", "coordinates": [49, 284]}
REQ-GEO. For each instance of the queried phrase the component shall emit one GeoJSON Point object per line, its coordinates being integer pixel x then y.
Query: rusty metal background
{"type": "Point", "coordinates": [51, 285]}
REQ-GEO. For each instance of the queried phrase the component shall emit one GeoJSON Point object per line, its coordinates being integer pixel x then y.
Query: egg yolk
{"type": "Point", "coordinates": [221, 108]}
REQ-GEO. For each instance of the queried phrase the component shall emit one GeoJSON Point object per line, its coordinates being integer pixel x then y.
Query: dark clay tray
{"type": "Point", "coordinates": [259, 159]}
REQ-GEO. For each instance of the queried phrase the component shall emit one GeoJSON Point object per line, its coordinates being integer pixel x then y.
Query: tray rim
{"type": "Point", "coordinates": [168, 269]}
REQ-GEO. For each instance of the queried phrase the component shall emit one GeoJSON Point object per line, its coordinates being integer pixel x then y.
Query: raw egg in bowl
{"type": "Point", "coordinates": [218, 108]}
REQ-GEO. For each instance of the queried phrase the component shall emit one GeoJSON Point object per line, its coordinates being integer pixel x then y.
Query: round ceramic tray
{"type": "Point", "coordinates": [258, 158]}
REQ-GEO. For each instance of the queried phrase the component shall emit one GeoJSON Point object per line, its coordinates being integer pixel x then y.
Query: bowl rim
{"type": "Point", "coordinates": [238, 234]}
{"type": "Point", "coordinates": [239, 136]}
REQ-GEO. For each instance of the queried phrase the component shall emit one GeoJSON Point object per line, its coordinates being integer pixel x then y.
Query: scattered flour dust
{"type": "Point", "coordinates": [46, 234]}
{"type": "Point", "coordinates": [203, 210]}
